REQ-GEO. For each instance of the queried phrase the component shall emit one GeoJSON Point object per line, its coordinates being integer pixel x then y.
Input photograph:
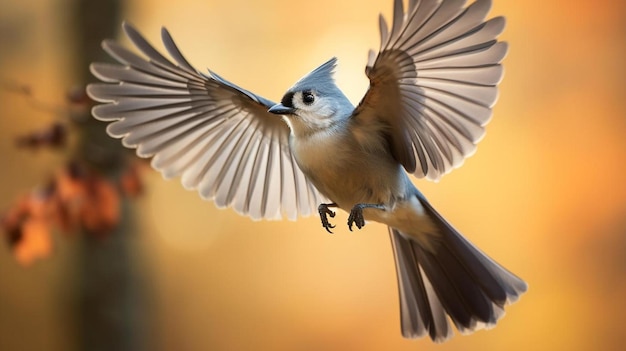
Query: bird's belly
{"type": "Point", "coordinates": [352, 178]}
{"type": "Point", "coordinates": [347, 187]}
{"type": "Point", "coordinates": [402, 212]}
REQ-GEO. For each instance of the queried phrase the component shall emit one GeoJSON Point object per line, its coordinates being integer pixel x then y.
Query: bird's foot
{"type": "Point", "coordinates": [356, 216]}
{"type": "Point", "coordinates": [324, 212]}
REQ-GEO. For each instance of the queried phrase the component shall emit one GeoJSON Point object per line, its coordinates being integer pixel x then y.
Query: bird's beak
{"type": "Point", "coordinates": [280, 109]}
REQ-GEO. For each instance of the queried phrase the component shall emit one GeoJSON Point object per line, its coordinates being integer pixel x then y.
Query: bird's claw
{"type": "Point", "coordinates": [324, 212]}
{"type": "Point", "coordinates": [356, 217]}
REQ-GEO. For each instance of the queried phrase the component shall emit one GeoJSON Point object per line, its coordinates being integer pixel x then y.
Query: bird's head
{"type": "Point", "coordinates": [315, 101]}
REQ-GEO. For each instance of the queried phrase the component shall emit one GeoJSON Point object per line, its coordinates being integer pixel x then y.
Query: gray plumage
{"type": "Point", "coordinates": [320, 79]}
{"type": "Point", "coordinates": [432, 88]}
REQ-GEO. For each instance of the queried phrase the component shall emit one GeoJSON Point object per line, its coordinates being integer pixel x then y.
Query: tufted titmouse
{"type": "Point", "coordinates": [432, 87]}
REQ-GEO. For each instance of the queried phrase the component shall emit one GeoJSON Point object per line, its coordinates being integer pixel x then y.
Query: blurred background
{"type": "Point", "coordinates": [544, 195]}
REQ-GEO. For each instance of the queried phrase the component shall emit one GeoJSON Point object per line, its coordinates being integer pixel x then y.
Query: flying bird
{"type": "Point", "coordinates": [433, 84]}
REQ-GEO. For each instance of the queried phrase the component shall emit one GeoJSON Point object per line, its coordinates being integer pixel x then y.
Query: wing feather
{"type": "Point", "coordinates": [217, 136]}
{"type": "Point", "coordinates": [434, 82]}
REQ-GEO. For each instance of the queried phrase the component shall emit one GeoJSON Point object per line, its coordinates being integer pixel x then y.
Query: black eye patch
{"type": "Point", "coordinates": [287, 100]}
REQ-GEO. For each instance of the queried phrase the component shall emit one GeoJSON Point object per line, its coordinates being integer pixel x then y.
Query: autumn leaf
{"type": "Point", "coordinates": [69, 197]}
{"type": "Point", "coordinates": [100, 210]}
{"type": "Point", "coordinates": [130, 181]}
{"type": "Point", "coordinates": [35, 241]}
{"type": "Point", "coordinates": [28, 228]}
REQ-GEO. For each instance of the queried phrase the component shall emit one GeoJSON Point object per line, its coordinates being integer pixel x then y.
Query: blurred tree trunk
{"type": "Point", "coordinates": [110, 304]}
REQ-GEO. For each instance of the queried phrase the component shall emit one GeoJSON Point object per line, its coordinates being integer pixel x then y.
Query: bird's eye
{"type": "Point", "coordinates": [308, 97]}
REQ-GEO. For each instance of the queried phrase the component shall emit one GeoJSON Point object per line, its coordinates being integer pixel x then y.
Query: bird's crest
{"type": "Point", "coordinates": [320, 79]}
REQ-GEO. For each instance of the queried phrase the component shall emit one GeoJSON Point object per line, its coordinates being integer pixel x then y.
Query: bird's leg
{"type": "Point", "coordinates": [356, 214]}
{"type": "Point", "coordinates": [324, 212]}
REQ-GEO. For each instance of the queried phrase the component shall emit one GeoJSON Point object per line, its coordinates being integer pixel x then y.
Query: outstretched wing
{"type": "Point", "coordinates": [434, 82]}
{"type": "Point", "coordinates": [218, 136]}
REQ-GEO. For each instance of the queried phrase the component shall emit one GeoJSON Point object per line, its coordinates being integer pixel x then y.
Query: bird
{"type": "Point", "coordinates": [432, 87]}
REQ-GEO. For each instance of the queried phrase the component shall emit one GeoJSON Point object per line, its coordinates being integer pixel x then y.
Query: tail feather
{"type": "Point", "coordinates": [421, 310]}
{"type": "Point", "coordinates": [501, 285]}
{"type": "Point", "coordinates": [451, 278]}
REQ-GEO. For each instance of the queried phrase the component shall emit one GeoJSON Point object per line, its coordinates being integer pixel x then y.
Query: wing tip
{"type": "Point", "coordinates": [107, 44]}
{"type": "Point", "coordinates": [91, 91]}
{"type": "Point", "coordinates": [128, 27]}
{"type": "Point", "coordinates": [165, 33]}
{"type": "Point", "coordinates": [505, 49]}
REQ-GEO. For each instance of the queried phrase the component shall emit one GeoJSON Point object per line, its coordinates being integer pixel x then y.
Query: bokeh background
{"type": "Point", "coordinates": [544, 195]}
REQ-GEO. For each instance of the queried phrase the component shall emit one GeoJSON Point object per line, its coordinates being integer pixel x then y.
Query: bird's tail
{"type": "Point", "coordinates": [451, 278]}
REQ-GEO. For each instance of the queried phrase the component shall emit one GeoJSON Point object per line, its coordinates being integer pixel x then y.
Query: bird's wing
{"type": "Point", "coordinates": [218, 136]}
{"type": "Point", "coordinates": [434, 82]}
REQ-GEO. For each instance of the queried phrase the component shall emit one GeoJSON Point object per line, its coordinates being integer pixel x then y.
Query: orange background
{"type": "Point", "coordinates": [544, 195]}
